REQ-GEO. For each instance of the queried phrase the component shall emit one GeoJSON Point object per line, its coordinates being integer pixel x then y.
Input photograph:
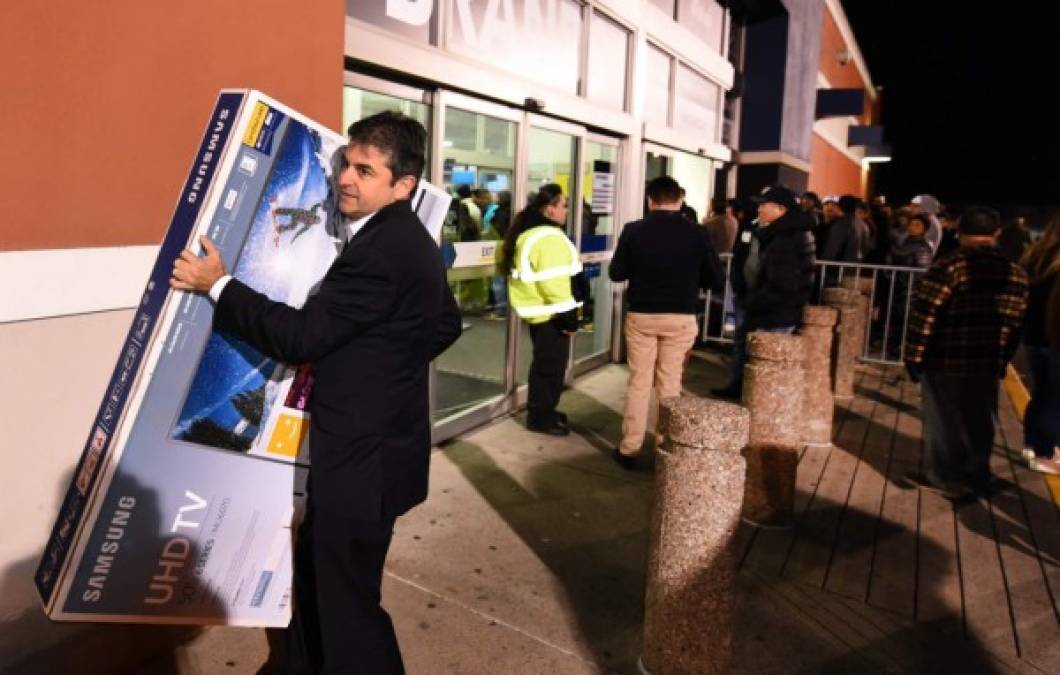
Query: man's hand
{"type": "Point", "coordinates": [192, 273]}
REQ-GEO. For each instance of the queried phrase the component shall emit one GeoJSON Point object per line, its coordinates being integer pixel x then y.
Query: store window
{"type": "Point", "coordinates": [665, 5]}
{"type": "Point", "coordinates": [696, 104]}
{"type": "Point", "coordinates": [694, 175]}
{"type": "Point", "coordinates": [412, 19]}
{"type": "Point", "coordinates": [537, 40]}
{"type": "Point", "coordinates": [608, 52]}
{"type": "Point", "coordinates": [704, 18]}
{"type": "Point", "coordinates": [657, 67]}
{"type": "Point", "coordinates": [360, 103]}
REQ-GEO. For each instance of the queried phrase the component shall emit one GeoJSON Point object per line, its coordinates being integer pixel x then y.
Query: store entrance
{"type": "Point", "coordinates": [492, 158]}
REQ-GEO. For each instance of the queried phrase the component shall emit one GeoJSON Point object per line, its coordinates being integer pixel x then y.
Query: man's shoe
{"type": "Point", "coordinates": [728, 391]}
{"type": "Point", "coordinates": [627, 462]}
{"type": "Point", "coordinates": [951, 491]}
{"type": "Point", "coordinates": [554, 429]}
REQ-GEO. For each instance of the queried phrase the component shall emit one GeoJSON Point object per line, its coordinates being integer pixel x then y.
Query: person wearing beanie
{"type": "Point", "coordinates": [931, 206]}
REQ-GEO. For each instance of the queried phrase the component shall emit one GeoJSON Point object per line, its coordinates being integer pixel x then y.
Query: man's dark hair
{"type": "Point", "coordinates": [847, 203]}
{"type": "Point", "coordinates": [482, 193]}
{"type": "Point", "coordinates": [663, 190]}
{"type": "Point", "coordinates": [813, 197]}
{"type": "Point", "coordinates": [401, 138]}
{"type": "Point", "coordinates": [979, 221]}
{"type": "Point", "coordinates": [463, 191]}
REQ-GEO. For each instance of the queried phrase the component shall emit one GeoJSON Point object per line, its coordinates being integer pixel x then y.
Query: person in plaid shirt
{"type": "Point", "coordinates": [965, 324]}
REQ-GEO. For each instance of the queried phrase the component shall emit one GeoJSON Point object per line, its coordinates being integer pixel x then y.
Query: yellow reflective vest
{"type": "Point", "coordinates": [539, 286]}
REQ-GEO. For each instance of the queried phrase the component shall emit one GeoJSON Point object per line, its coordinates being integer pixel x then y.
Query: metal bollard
{"type": "Point", "coordinates": [773, 387]}
{"type": "Point", "coordinates": [848, 343]}
{"type": "Point", "coordinates": [818, 404]}
{"type": "Point", "coordinates": [691, 574]}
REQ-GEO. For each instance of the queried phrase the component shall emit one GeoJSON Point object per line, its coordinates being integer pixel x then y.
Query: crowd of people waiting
{"type": "Point", "coordinates": [977, 289]}
{"type": "Point", "coordinates": [981, 290]}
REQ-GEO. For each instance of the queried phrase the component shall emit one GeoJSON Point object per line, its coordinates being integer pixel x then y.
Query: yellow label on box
{"type": "Point", "coordinates": [257, 120]}
{"type": "Point", "coordinates": [287, 435]}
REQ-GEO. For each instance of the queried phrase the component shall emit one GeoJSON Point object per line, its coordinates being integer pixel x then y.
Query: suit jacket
{"type": "Point", "coordinates": [382, 312]}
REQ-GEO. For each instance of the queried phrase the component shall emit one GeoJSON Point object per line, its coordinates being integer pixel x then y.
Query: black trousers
{"type": "Point", "coordinates": [545, 381]}
{"type": "Point", "coordinates": [959, 412]}
{"type": "Point", "coordinates": [338, 625]}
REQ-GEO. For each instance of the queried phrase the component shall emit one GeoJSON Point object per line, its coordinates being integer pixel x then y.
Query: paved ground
{"type": "Point", "coordinates": [529, 556]}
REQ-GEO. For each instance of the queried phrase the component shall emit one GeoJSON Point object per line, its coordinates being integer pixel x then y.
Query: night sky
{"type": "Point", "coordinates": [968, 98]}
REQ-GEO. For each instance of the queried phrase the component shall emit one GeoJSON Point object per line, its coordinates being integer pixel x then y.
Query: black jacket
{"type": "Point", "coordinates": [785, 276]}
{"type": "Point", "coordinates": [1034, 323]}
{"type": "Point", "coordinates": [666, 259]}
{"type": "Point", "coordinates": [382, 312]}
{"type": "Point", "coordinates": [849, 240]}
{"type": "Point", "coordinates": [912, 252]}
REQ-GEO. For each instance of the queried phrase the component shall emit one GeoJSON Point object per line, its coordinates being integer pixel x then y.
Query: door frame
{"type": "Point", "coordinates": [607, 356]}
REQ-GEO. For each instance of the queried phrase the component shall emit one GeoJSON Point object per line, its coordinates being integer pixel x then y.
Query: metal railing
{"type": "Point", "coordinates": [888, 287]}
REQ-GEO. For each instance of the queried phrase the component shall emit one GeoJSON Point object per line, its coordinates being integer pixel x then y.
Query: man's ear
{"type": "Point", "coordinates": [404, 187]}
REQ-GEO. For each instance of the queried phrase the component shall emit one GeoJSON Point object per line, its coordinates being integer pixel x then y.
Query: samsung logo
{"type": "Point", "coordinates": [207, 158]}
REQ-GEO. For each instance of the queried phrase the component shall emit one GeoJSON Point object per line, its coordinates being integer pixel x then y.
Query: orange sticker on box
{"type": "Point", "coordinates": [287, 435]}
{"type": "Point", "coordinates": [257, 121]}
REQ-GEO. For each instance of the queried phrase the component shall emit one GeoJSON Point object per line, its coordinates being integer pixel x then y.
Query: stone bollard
{"type": "Point", "coordinates": [848, 345]}
{"type": "Point", "coordinates": [818, 404]}
{"type": "Point", "coordinates": [691, 576]}
{"type": "Point", "coordinates": [772, 387]}
{"type": "Point", "coordinates": [860, 284]}
{"type": "Point", "coordinates": [772, 392]}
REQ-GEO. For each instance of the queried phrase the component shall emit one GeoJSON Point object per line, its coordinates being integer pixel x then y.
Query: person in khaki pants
{"type": "Point", "coordinates": [666, 259]}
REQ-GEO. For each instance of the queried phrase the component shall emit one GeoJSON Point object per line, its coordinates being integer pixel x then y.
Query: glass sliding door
{"type": "Point", "coordinates": [478, 168]}
{"type": "Point", "coordinates": [551, 157]}
{"type": "Point", "coordinates": [599, 180]}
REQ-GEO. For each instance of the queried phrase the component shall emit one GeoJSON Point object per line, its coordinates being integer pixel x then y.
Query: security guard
{"type": "Point", "coordinates": [539, 261]}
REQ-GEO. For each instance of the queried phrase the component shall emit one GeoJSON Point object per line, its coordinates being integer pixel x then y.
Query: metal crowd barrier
{"type": "Point", "coordinates": [890, 288]}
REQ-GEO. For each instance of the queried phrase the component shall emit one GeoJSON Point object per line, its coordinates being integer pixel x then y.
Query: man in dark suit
{"type": "Point", "coordinates": [382, 312]}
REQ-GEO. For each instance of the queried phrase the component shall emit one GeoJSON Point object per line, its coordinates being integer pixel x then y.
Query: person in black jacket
{"type": "Point", "coordinates": [849, 237]}
{"type": "Point", "coordinates": [913, 251]}
{"type": "Point", "coordinates": [382, 312]}
{"type": "Point", "coordinates": [667, 259]}
{"type": "Point", "coordinates": [772, 276]}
